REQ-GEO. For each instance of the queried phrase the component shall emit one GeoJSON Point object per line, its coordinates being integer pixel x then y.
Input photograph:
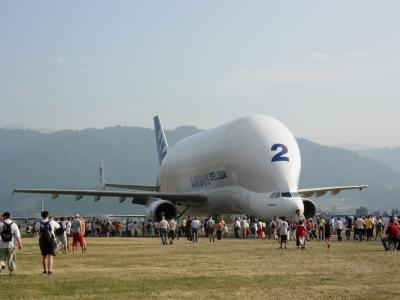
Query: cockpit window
{"type": "Point", "coordinates": [286, 194]}
{"type": "Point", "coordinates": [295, 194]}
{"type": "Point", "coordinates": [273, 195]}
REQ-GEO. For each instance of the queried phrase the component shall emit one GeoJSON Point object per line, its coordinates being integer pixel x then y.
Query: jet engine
{"type": "Point", "coordinates": [158, 208]}
{"type": "Point", "coordinates": [310, 209]}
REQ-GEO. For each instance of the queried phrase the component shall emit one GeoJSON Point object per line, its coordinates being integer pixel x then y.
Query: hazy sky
{"type": "Point", "coordinates": [329, 71]}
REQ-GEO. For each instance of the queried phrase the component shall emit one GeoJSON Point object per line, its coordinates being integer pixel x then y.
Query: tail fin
{"type": "Point", "coordinates": [162, 144]}
{"type": "Point", "coordinates": [102, 178]}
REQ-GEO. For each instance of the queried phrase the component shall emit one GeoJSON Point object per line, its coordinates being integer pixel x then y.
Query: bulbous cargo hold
{"type": "Point", "coordinates": [250, 151]}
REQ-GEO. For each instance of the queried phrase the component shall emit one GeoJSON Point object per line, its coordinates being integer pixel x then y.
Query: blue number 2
{"type": "Point", "coordinates": [280, 155]}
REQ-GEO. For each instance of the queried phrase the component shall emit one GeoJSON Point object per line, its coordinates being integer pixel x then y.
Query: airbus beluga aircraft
{"type": "Point", "coordinates": [248, 166]}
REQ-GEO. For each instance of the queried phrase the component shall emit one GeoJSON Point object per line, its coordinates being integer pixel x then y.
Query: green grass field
{"type": "Point", "coordinates": [122, 268]}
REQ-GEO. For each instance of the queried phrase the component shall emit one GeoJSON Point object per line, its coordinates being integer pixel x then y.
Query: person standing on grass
{"type": "Point", "coordinates": [392, 235]}
{"type": "Point", "coordinates": [272, 227]}
{"type": "Point", "coordinates": [237, 228]}
{"type": "Point", "coordinates": [10, 235]}
{"type": "Point", "coordinates": [47, 242]}
{"type": "Point", "coordinates": [378, 228]}
{"type": "Point", "coordinates": [211, 228]}
{"type": "Point", "coordinates": [369, 225]}
{"type": "Point", "coordinates": [219, 229]}
{"type": "Point", "coordinates": [297, 218]}
{"type": "Point", "coordinates": [301, 233]}
{"type": "Point", "coordinates": [188, 228]}
{"type": "Point", "coordinates": [360, 223]}
{"type": "Point", "coordinates": [339, 228]}
{"type": "Point", "coordinates": [77, 234]}
{"type": "Point", "coordinates": [83, 231]}
{"type": "Point", "coordinates": [321, 223]}
{"type": "Point", "coordinates": [327, 233]}
{"type": "Point", "coordinates": [61, 235]}
{"type": "Point", "coordinates": [348, 226]}
{"type": "Point", "coordinates": [172, 228]}
{"type": "Point", "coordinates": [163, 229]}
{"type": "Point", "coordinates": [283, 232]}
{"type": "Point", "coordinates": [195, 229]}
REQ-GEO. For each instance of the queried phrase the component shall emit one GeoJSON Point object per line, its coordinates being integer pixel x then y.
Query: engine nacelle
{"type": "Point", "coordinates": [158, 208]}
{"type": "Point", "coordinates": [310, 209]}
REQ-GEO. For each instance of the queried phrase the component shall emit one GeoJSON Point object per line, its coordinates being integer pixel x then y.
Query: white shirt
{"type": "Point", "coordinates": [360, 223]}
{"type": "Point", "coordinates": [172, 224]}
{"type": "Point", "coordinates": [283, 227]}
{"type": "Point", "coordinates": [15, 234]}
{"type": "Point", "coordinates": [89, 226]}
{"type": "Point", "coordinates": [195, 224]}
{"type": "Point", "coordinates": [237, 224]}
{"type": "Point", "coordinates": [339, 224]}
{"type": "Point", "coordinates": [68, 227]}
{"type": "Point", "coordinates": [163, 224]}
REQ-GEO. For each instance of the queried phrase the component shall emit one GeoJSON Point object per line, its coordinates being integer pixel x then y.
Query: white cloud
{"type": "Point", "coordinates": [61, 60]}
{"type": "Point", "coordinates": [319, 56]}
{"type": "Point", "coordinates": [358, 54]}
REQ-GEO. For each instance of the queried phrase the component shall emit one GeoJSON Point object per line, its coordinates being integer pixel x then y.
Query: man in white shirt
{"type": "Point", "coordinates": [163, 228]}
{"type": "Point", "coordinates": [9, 235]}
{"type": "Point", "coordinates": [68, 231]}
{"type": "Point", "coordinates": [172, 227]}
{"type": "Point", "coordinates": [339, 228]}
{"type": "Point", "coordinates": [195, 230]}
{"type": "Point", "coordinates": [47, 242]}
{"type": "Point", "coordinates": [237, 228]}
{"type": "Point", "coordinates": [360, 223]}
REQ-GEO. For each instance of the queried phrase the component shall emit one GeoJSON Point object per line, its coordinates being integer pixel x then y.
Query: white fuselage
{"type": "Point", "coordinates": [241, 166]}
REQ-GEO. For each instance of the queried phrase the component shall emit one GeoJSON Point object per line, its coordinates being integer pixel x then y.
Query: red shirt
{"type": "Point", "coordinates": [301, 230]}
{"type": "Point", "coordinates": [393, 230]}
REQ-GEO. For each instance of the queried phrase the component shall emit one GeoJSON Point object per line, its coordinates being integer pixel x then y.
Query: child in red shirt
{"type": "Point", "coordinates": [301, 233]}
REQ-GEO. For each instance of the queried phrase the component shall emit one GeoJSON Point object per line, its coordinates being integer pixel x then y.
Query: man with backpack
{"type": "Point", "coordinates": [47, 243]}
{"type": "Point", "coordinates": [9, 235]}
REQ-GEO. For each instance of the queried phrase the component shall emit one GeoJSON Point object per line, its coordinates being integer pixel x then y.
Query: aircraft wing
{"type": "Point", "coordinates": [334, 190]}
{"type": "Point", "coordinates": [190, 199]}
{"type": "Point", "coordinates": [132, 187]}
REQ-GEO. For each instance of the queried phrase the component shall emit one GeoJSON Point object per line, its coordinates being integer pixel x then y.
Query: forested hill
{"type": "Point", "coordinates": [70, 159]}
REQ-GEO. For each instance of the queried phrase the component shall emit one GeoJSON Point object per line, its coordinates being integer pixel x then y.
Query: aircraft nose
{"type": "Point", "coordinates": [296, 204]}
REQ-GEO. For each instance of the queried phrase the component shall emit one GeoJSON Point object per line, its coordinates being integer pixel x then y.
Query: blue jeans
{"type": "Point", "coordinates": [163, 235]}
{"type": "Point", "coordinates": [195, 235]}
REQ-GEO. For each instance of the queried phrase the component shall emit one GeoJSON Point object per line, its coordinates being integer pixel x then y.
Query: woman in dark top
{"type": "Point", "coordinates": [327, 233]}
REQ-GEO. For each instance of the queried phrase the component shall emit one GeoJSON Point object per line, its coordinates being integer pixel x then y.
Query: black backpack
{"type": "Point", "coordinates": [45, 231]}
{"type": "Point", "coordinates": [6, 234]}
{"type": "Point", "coordinates": [60, 230]}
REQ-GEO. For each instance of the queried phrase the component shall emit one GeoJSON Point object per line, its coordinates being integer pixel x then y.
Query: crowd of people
{"type": "Point", "coordinates": [57, 233]}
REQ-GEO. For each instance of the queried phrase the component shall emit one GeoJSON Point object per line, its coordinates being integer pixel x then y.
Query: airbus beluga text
{"type": "Point", "coordinates": [248, 166]}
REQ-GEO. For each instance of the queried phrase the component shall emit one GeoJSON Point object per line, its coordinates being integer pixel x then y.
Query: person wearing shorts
{"type": "Point", "coordinates": [283, 232]}
{"type": "Point", "coordinates": [76, 234]}
{"type": "Point", "coordinates": [211, 229]}
{"type": "Point", "coordinates": [47, 244]}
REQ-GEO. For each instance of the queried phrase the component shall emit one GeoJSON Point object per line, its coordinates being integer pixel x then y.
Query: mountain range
{"type": "Point", "coordinates": [70, 159]}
